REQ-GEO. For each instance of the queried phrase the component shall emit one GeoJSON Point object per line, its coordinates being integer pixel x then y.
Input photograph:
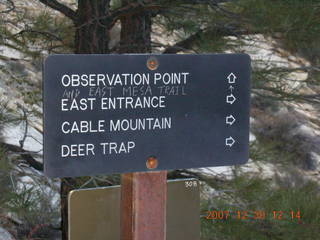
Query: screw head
{"type": "Point", "coordinates": [152, 162]}
{"type": "Point", "coordinates": [152, 63]}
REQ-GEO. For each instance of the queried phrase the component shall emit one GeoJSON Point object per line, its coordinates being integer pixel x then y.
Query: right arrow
{"type": "Point", "coordinates": [230, 141]}
{"type": "Point", "coordinates": [230, 120]}
{"type": "Point", "coordinates": [230, 99]}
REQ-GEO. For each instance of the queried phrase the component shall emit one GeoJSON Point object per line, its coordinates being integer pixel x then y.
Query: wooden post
{"type": "Point", "coordinates": [143, 206]}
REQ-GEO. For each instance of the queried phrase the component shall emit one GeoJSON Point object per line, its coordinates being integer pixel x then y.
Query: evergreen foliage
{"type": "Point", "coordinates": [5, 181]}
{"type": "Point", "coordinates": [295, 23]}
{"type": "Point", "coordinates": [260, 211]}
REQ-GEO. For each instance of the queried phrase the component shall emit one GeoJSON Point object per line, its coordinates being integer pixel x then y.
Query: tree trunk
{"type": "Point", "coordinates": [92, 36]}
{"type": "Point", "coordinates": [92, 27]}
{"type": "Point", "coordinates": [135, 31]}
{"type": "Point", "coordinates": [67, 184]}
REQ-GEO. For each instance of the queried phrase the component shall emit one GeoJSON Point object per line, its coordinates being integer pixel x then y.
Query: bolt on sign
{"type": "Point", "coordinates": [128, 113]}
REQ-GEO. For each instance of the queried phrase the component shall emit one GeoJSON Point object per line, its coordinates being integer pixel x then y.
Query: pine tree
{"type": "Point", "coordinates": [93, 21]}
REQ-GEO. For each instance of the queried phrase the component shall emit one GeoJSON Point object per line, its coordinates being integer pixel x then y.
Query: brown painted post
{"type": "Point", "coordinates": [143, 206]}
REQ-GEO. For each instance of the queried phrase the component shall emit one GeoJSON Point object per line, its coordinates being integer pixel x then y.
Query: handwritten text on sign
{"type": "Point", "coordinates": [109, 113]}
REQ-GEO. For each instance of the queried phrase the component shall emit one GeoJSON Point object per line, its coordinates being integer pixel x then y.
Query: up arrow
{"type": "Point", "coordinates": [230, 120]}
{"type": "Point", "coordinates": [230, 141]}
{"type": "Point", "coordinates": [232, 78]}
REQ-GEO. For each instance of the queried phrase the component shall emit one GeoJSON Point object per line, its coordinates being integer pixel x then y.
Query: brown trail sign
{"type": "Point", "coordinates": [110, 113]}
{"type": "Point", "coordinates": [135, 113]}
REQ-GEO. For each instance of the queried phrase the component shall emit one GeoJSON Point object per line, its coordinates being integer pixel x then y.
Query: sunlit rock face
{"type": "Point", "coordinates": [5, 235]}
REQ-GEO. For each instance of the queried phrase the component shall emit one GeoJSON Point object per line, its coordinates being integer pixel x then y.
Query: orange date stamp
{"type": "Point", "coordinates": [253, 215]}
